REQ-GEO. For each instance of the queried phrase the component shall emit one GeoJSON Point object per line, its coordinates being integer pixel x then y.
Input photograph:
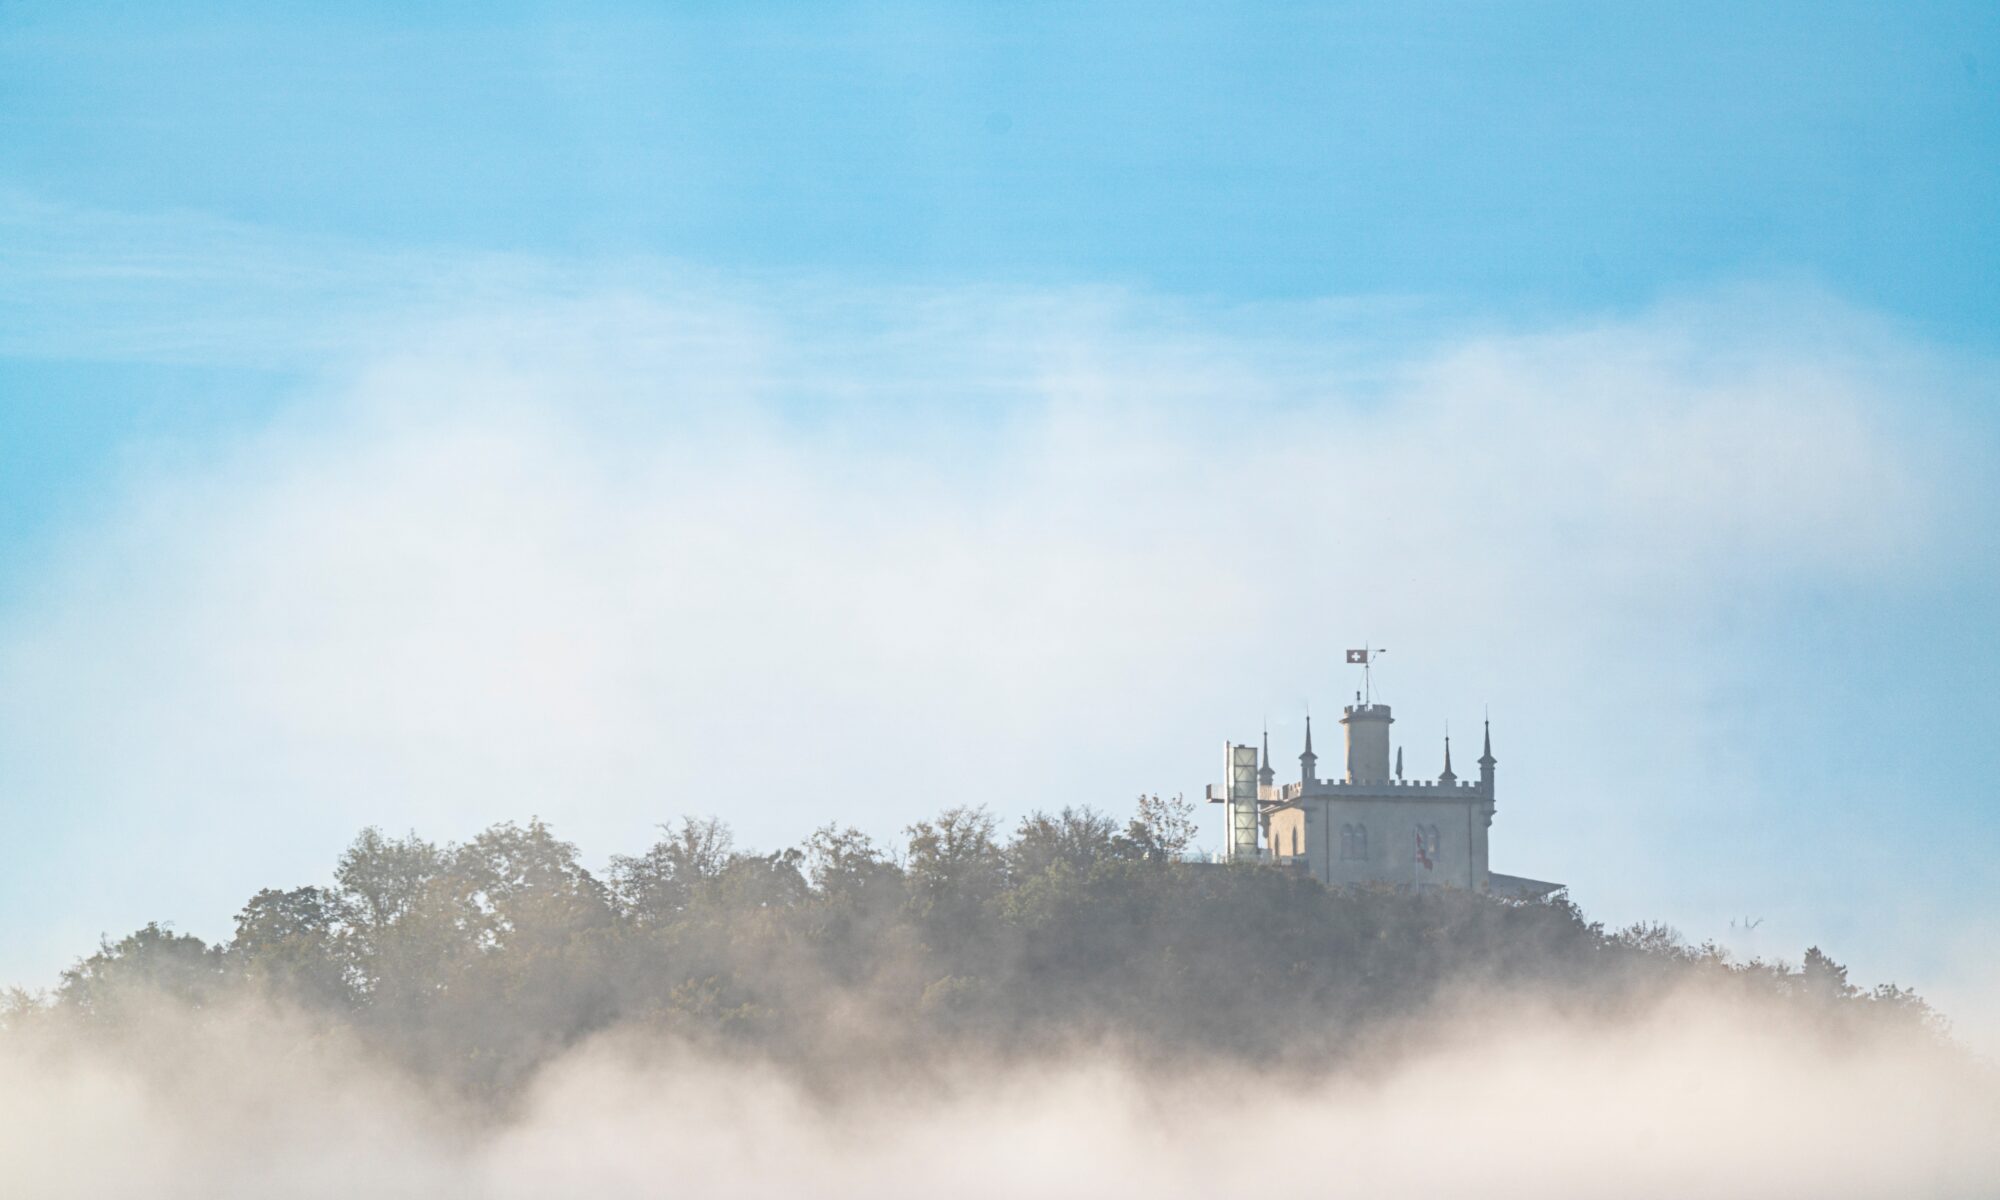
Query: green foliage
{"type": "Point", "coordinates": [152, 963]}
{"type": "Point", "coordinates": [956, 867]}
{"type": "Point", "coordinates": [1162, 829]}
{"type": "Point", "coordinates": [656, 886]}
{"type": "Point", "coordinates": [847, 864]}
{"type": "Point", "coordinates": [20, 1008]}
{"type": "Point", "coordinates": [1822, 977]}
{"type": "Point", "coordinates": [290, 943]}
{"type": "Point", "coordinates": [474, 963]}
{"type": "Point", "coordinates": [380, 879]}
{"type": "Point", "coordinates": [1075, 838]}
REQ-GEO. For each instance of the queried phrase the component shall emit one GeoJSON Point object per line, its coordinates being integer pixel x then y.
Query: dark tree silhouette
{"type": "Point", "coordinates": [474, 963]}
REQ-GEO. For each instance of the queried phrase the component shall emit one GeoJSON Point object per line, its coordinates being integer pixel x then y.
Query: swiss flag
{"type": "Point", "coordinates": [1357, 656]}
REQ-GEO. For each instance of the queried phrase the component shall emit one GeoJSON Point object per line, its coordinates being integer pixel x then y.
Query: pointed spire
{"type": "Point", "coordinates": [1308, 760]}
{"type": "Point", "coordinates": [1399, 764]}
{"type": "Point", "coordinates": [1447, 777]}
{"type": "Point", "coordinates": [1265, 775]}
{"type": "Point", "coordinates": [1486, 762]}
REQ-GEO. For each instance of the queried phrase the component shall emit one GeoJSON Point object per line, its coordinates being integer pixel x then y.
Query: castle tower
{"type": "Point", "coordinates": [1358, 831]}
{"type": "Point", "coordinates": [1367, 742]}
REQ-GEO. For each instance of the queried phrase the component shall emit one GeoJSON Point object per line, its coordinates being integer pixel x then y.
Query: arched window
{"type": "Point", "coordinates": [1426, 851]}
{"type": "Point", "coordinates": [1354, 842]}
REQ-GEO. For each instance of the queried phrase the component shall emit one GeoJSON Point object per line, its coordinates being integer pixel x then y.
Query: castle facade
{"type": "Point", "coordinates": [1370, 826]}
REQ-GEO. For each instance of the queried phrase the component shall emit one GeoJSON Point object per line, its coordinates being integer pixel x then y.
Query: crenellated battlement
{"type": "Point", "coordinates": [1388, 789]}
{"type": "Point", "coordinates": [1358, 828]}
{"type": "Point", "coordinates": [1411, 785]}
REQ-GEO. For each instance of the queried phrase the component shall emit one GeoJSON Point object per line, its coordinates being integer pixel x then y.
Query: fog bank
{"type": "Point", "coordinates": [1698, 1095]}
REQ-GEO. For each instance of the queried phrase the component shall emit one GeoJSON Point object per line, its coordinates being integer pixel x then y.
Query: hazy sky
{"type": "Point", "coordinates": [821, 411]}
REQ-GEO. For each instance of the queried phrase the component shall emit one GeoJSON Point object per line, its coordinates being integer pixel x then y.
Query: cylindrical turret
{"type": "Point", "coordinates": [1367, 742]}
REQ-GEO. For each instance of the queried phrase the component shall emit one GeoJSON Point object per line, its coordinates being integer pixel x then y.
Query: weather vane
{"type": "Point", "coordinates": [1365, 659]}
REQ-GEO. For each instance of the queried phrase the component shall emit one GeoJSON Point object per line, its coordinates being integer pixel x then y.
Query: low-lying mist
{"type": "Point", "coordinates": [1071, 1010]}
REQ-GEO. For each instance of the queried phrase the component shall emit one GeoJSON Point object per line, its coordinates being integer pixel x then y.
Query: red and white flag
{"type": "Point", "coordinates": [1423, 855]}
{"type": "Point", "coordinates": [1357, 656]}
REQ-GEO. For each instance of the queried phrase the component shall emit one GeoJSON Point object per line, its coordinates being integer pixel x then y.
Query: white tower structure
{"type": "Point", "coordinates": [1240, 800]}
{"type": "Point", "coordinates": [1367, 742]}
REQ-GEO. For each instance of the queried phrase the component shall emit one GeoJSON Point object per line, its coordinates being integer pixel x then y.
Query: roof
{"type": "Point", "coordinates": [1520, 887]}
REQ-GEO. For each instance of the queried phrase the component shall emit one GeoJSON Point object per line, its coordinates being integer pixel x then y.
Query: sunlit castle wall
{"type": "Point", "coordinates": [1370, 828]}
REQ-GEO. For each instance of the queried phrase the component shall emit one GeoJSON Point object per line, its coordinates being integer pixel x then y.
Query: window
{"type": "Point", "coordinates": [1427, 845]}
{"type": "Point", "coordinates": [1354, 842]}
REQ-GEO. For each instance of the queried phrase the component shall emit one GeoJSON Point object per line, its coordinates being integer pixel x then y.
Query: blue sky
{"type": "Point", "coordinates": [1633, 369]}
{"type": "Point", "coordinates": [1519, 157]}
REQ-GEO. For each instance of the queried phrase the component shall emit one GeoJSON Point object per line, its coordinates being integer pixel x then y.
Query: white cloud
{"type": "Point", "coordinates": [813, 555]}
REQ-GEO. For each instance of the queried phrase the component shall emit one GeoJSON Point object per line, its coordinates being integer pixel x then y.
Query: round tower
{"type": "Point", "coordinates": [1367, 742]}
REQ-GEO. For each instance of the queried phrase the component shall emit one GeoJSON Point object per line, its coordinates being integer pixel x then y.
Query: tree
{"type": "Point", "coordinates": [654, 887]}
{"type": "Point", "coordinates": [473, 964]}
{"type": "Point", "coordinates": [288, 941]}
{"type": "Point", "coordinates": [273, 918]}
{"type": "Point", "coordinates": [956, 854]}
{"type": "Point", "coordinates": [757, 881]}
{"type": "Point", "coordinates": [1076, 837]}
{"type": "Point", "coordinates": [380, 879]}
{"type": "Point", "coordinates": [1162, 829]}
{"type": "Point", "coordinates": [150, 963]}
{"type": "Point", "coordinates": [526, 884]}
{"type": "Point", "coordinates": [846, 863]}
{"type": "Point", "coordinates": [399, 922]}
{"type": "Point", "coordinates": [1824, 978]}
{"type": "Point", "coordinates": [955, 867]}
{"type": "Point", "coordinates": [531, 965]}
{"type": "Point", "coordinates": [20, 1008]}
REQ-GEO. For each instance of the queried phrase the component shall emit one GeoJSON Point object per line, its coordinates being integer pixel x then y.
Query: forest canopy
{"type": "Point", "coordinates": [471, 965]}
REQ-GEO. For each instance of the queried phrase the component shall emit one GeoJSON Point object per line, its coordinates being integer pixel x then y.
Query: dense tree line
{"type": "Point", "coordinates": [473, 963]}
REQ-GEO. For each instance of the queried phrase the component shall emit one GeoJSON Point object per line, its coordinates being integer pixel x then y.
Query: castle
{"type": "Point", "coordinates": [1368, 827]}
